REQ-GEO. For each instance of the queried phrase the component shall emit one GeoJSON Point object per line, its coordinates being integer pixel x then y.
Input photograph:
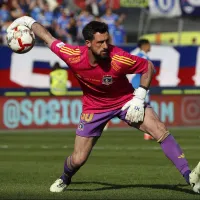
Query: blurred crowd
{"type": "Point", "coordinates": [65, 19]}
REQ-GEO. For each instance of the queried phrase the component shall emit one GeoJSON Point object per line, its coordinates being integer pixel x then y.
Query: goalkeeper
{"type": "Point", "coordinates": [101, 71]}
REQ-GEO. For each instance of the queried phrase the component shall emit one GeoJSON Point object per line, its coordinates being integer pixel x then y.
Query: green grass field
{"type": "Point", "coordinates": [121, 166]}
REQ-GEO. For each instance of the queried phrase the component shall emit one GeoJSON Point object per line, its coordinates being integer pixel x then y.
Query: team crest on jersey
{"type": "Point", "coordinates": [107, 80]}
{"type": "Point", "coordinates": [81, 126]}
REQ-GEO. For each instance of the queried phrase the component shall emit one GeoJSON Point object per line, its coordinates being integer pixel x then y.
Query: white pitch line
{"type": "Point", "coordinates": [4, 146]}
{"type": "Point", "coordinates": [98, 148]}
{"type": "Point", "coordinates": [73, 130]}
{"type": "Point", "coordinates": [45, 147]}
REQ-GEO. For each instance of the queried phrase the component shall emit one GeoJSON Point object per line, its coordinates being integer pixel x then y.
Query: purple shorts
{"type": "Point", "coordinates": [92, 125]}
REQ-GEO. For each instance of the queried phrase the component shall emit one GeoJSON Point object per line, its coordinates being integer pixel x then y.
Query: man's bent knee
{"type": "Point", "coordinates": [158, 131]}
{"type": "Point", "coordinates": [78, 159]}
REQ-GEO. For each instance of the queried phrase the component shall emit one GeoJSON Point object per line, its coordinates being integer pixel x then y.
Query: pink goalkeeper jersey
{"type": "Point", "coordinates": [105, 86]}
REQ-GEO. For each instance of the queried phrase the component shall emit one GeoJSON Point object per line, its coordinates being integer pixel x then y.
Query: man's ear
{"type": "Point", "coordinates": [88, 43]}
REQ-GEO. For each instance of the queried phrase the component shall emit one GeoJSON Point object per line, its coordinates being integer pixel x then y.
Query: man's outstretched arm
{"type": "Point", "coordinates": [39, 30]}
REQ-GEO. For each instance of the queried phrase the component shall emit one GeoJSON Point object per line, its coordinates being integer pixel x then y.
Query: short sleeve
{"type": "Point", "coordinates": [131, 64]}
{"type": "Point", "coordinates": [64, 51]}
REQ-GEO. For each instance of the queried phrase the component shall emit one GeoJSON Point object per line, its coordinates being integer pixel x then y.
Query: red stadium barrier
{"type": "Point", "coordinates": [64, 112]}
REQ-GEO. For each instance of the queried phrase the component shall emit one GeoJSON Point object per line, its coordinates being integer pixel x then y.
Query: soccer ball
{"type": "Point", "coordinates": [21, 39]}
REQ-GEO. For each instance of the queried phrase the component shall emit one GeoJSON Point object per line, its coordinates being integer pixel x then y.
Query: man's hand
{"type": "Point", "coordinates": [25, 20]}
{"type": "Point", "coordinates": [39, 30]}
{"type": "Point", "coordinates": [135, 112]}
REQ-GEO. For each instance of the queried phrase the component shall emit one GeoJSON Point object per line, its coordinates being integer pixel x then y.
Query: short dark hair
{"type": "Point", "coordinates": [93, 27]}
{"type": "Point", "coordinates": [142, 42]}
{"type": "Point", "coordinates": [56, 66]}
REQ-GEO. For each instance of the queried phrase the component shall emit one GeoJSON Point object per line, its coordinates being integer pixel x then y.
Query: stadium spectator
{"type": "Point", "coordinates": [4, 13]}
{"type": "Point", "coordinates": [45, 17]}
{"type": "Point", "coordinates": [24, 4]}
{"type": "Point", "coordinates": [96, 7]}
{"type": "Point", "coordinates": [35, 8]}
{"type": "Point", "coordinates": [54, 15]}
{"type": "Point", "coordinates": [53, 4]}
{"type": "Point", "coordinates": [62, 23]}
{"type": "Point", "coordinates": [93, 7]}
{"type": "Point", "coordinates": [16, 10]}
{"type": "Point", "coordinates": [63, 19]}
{"type": "Point", "coordinates": [113, 4]}
{"type": "Point", "coordinates": [4, 21]}
{"type": "Point", "coordinates": [3, 28]}
{"type": "Point", "coordinates": [57, 12]}
{"type": "Point", "coordinates": [118, 34]}
{"type": "Point", "coordinates": [102, 6]}
{"type": "Point", "coordinates": [83, 18]}
{"type": "Point", "coordinates": [110, 18]}
{"type": "Point", "coordinates": [97, 18]}
{"type": "Point", "coordinates": [171, 41]}
{"type": "Point", "coordinates": [58, 80]}
{"type": "Point", "coordinates": [194, 41]}
{"type": "Point", "coordinates": [72, 31]}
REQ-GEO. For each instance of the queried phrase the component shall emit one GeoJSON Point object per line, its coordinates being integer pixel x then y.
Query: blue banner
{"type": "Point", "coordinates": [190, 7]}
{"type": "Point", "coordinates": [30, 71]}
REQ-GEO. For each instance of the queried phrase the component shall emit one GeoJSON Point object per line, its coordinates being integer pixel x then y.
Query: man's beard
{"type": "Point", "coordinates": [100, 57]}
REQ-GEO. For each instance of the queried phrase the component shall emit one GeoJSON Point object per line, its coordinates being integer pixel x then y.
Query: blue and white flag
{"type": "Point", "coordinates": [164, 8]}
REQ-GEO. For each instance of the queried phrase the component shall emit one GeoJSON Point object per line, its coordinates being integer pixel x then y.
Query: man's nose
{"type": "Point", "coordinates": [105, 45]}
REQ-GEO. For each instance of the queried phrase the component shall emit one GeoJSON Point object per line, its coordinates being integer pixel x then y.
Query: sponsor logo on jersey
{"type": "Point", "coordinates": [107, 80]}
{"type": "Point", "coordinates": [93, 80]}
{"type": "Point", "coordinates": [75, 59]}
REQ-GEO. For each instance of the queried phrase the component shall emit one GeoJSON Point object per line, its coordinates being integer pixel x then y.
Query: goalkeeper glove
{"type": "Point", "coordinates": [135, 112]}
{"type": "Point", "coordinates": [25, 21]}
